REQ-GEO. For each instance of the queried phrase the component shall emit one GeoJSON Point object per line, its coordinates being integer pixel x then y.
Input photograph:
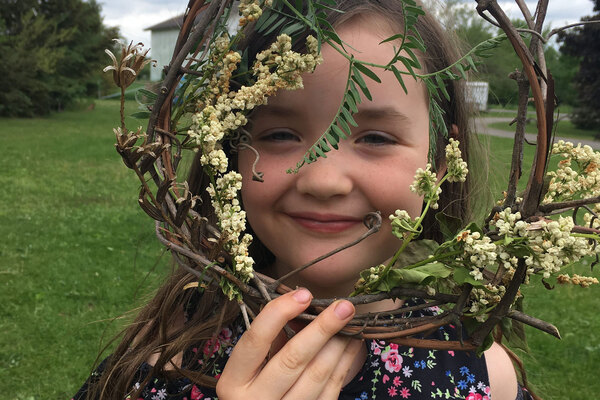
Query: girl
{"type": "Point", "coordinates": [170, 350]}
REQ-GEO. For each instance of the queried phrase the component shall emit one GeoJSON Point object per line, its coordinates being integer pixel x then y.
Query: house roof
{"type": "Point", "coordinates": [171, 23]}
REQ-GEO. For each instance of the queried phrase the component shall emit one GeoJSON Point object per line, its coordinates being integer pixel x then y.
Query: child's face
{"type": "Point", "coordinates": [300, 217]}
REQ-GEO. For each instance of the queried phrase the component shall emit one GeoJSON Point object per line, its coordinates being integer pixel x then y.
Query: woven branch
{"type": "Point", "coordinates": [194, 242]}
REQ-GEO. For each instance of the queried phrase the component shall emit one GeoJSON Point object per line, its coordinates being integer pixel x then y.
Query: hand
{"type": "Point", "coordinates": [311, 365]}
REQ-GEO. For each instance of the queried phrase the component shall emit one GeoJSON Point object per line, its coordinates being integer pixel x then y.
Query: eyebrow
{"type": "Point", "coordinates": [381, 113]}
{"type": "Point", "coordinates": [369, 113]}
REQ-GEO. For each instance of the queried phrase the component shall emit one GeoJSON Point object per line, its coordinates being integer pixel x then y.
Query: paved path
{"type": "Point", "coordinates": [482, 126]}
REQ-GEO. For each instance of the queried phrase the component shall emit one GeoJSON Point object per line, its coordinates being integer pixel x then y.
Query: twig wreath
{"type": "Point", "coordinates": [473, 277]}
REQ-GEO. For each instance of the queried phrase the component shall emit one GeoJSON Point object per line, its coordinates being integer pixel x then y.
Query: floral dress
{"type": "Point", "coordinates": [389, 372]}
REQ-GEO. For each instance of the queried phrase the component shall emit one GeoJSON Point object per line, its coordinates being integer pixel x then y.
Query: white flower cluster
{"type": "Point", "coordinates": [402, 223]}
{"type": "Point", "coordinates": [568, 183]}
{"type": "Point", "coordinates": [375, 272]}
{"type": "Point", "coordinates": [481, 299]}
{"type": "Point", "coordinates": [456, 168]}
{"type": "Point", "coordinates": [232, 221]}
{"type": "Point", "coordinates": [224, 111]}
{"type": "Point", "coordinates": [554, 246]}
{"type": "Point", "coordinates": [479, 252]}
{"type": "Point", "coordinates": [250, 10]}
{"type": "Point", "coordinates": [214, 122]}
{"type": "Point", "coordinates": [551, 242]}
{"type": "Point", "coordinates": [425, 185]}
{"type": "Point", "coordinates": [288, 65]}
{"type": "Point", "coordinates": [510, 224]}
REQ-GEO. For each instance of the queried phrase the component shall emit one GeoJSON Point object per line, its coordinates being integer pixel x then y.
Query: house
{"type": "Point", "coordinates": [163, 37]}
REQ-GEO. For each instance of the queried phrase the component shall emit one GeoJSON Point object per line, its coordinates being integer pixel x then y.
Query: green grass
{"type": "Point", "coordinates": [76, 251]}
{"type": "Point", "coordinates": [564, 128]}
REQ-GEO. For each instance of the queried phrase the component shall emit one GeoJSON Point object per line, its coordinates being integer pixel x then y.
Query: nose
{"type": "Point", "coordinates": [326, 178]}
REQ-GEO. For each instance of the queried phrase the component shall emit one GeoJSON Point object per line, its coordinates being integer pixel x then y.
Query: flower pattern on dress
{"type": "Point", "coordinates": [390, 371]}
{"type": "Point", "coordinates": [391, 358]}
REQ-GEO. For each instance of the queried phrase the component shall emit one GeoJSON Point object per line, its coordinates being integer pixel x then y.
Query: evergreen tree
{"type": "Point", "coordinates": [52, 53]}
{"type": "Point", "coordinates": [582, 42]}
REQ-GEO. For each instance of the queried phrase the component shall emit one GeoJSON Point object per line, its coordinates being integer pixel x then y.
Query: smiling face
{"type": "Point", "coordinates": [300, 217]}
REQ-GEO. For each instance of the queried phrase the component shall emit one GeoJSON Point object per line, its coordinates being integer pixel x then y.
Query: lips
{"type": "Point", "coordinates": [325, 223]}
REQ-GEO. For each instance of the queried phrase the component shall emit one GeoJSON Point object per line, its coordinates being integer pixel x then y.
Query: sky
{"type": "Point", "coordinates": [133, 16]}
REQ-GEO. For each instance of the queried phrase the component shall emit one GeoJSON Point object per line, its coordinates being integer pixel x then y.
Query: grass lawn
{"type": "Point", "coordinates": [77, 251]}
{"type": "Point", "coordinates": [564, 128]}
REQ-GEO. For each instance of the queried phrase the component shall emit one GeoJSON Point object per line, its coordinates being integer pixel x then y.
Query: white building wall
{"type": "Point", "coordinates": [477, 94]}
{"type": "Point", "coordinates": [163, 44]}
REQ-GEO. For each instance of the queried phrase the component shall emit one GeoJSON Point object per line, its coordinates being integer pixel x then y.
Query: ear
{"type": "Point", "coordinates": [454, 132]}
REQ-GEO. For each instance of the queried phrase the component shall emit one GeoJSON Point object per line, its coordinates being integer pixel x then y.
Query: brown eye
{"type": "Point", "coordinates": [280, 136]}
{"type": "Point", "coordinates": [376, 139]}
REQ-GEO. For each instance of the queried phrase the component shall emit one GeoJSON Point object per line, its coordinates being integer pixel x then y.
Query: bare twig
{"type": "Point", "coordinates": [566, 205]}
{"type": "Point", "coordinates": [562, 28]}
{"type": "Point", "coordinates": [534, 322]}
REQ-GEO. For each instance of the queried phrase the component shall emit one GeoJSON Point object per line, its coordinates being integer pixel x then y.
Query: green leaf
{"type": "Point", "coordinates": [266, 22]}
{"type": "Point", "coordinates": [354, 92]}
{"type": "Point", "coordinates": [323, 23]}
{"type": "Point", "coordinates": [391, 38]}
{"type": "Point", "coordinates": [399, 78]}
{"type": "Point", "coordinates": [348, 116]}
{"type": "Point", "coordinates": [367, 72]}
{"type": "Point", "coordinates": [333, 139]}
{"type": "Point", "coordinates": [417, 42]}
{"type": "Point", "coordinates": [362, 85]}
{"type": "Point", "coordinates": [473, 227]}
{"type": "Point", "coordinates": [338, 131]}
{"type": "Point", "coordinates": [344, 125]}
{"type": "Point", "coordinates": [414, 10]}
{"type": "Point", "coordinates": [442, 87]}
{"type": "Point", "coordinates": [331, 6]}
{"type": "Point", "coordinates": [487, 343]}
{"type": "Point", "coordinates": [293, 28]}
{"type": "Point", "coordinates": [461, 276]}
{"type": "Point", "coordinates": [319, 151]}
{"type": "Point", "coordinates": [422, 275]}
{"type": "Point", "coordinates": [408, 66]}
{"type": "Point", "coordinates": [150, 95]}
{"type": "Point", "coordinates": [449, 225]}
{"type": "Point", "coordinates": [141, 115]}
{"type": "Point", "coordinates": [332, 36]}
{"type": "Point", "coordinates": [350, 102]}
{"type": "Point", "coordinates": [274, 26]}
{"type": "Point", "coordinates": [415, 251]}
{"type": "Point", "coordinates": [472, 63]}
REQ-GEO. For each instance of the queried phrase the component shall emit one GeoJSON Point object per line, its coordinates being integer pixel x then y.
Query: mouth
{"type": "Point", "coordinates": [325, 223]}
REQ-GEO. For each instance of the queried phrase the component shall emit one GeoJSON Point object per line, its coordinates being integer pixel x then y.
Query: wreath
{"type": "Point", "coordinates": [473, 275]}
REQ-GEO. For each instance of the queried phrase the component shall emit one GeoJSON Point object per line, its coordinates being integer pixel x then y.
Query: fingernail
{"type": "Point", "coordinates": [302, 296]}
{"type": "Point", "coordinates": [344, 309]}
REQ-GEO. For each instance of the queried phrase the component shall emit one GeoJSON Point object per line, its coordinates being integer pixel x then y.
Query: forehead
{"type": "Point", "coordinates": [362, 36]}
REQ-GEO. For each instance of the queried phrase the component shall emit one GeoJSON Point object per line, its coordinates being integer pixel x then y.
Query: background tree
{"type": "Point", "coordinates": [460, 17]}
{"type": "Point", "coordinates": [583, 42]}
{"type": "Point", "coordinates": [52, 53]}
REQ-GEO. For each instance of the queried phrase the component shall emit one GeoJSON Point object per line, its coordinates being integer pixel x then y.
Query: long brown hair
{"type": "Point", "coordinates": [157, 330]}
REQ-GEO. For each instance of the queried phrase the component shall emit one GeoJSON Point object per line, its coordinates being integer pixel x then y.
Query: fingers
{"type": "Point", "coordinates": [311, 365]}
{"type": "Point", "coordinates": [292, 360]}
{"type": "Point", "coordinates": [251, 350]}
{"type": "Point", "coordinates": [324, 376]}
